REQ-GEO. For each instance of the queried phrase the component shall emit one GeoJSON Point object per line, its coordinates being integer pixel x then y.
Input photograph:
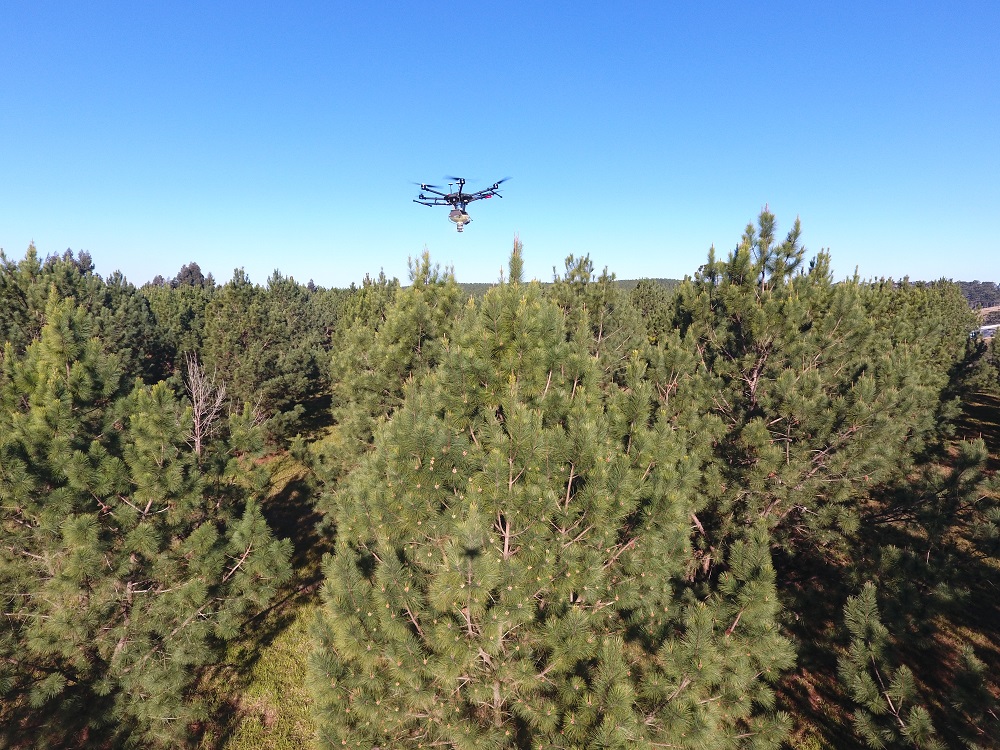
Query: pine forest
{"type": "Point", "coordinates": [756, 508]}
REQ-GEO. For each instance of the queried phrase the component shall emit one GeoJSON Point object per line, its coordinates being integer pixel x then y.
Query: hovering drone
{"type": "Point", "coordinates": [457, 199]}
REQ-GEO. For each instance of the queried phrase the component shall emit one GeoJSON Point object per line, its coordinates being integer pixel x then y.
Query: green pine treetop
{"type": "Point", "coordinates": [512, 562]}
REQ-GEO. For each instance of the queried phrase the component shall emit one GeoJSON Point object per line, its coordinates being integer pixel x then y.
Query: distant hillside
{"type": "Point", "coordinates": [479, 289]}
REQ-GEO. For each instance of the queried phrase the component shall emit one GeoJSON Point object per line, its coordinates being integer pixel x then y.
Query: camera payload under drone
{"type": "Point", "coordinates": [457, 199]}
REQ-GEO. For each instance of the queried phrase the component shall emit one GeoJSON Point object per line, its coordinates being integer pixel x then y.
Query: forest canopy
{"type": "Point", "coordinates": [724, 512]}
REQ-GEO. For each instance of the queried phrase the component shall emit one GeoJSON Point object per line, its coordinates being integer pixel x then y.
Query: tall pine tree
{"type": "Point", "coordinates": [387, 337]}
{"type": "Point", "coordinates": [821, 397]}
{"type": "Point", "coordinates": [513, 566]}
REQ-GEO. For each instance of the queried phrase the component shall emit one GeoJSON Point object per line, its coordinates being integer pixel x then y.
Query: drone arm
{"type": "Point", "coordinates": [480, 194]}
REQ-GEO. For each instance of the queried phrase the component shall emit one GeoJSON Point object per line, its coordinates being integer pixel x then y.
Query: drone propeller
{"type": "Point", "coordinates": [425, 186]}
{"type": "Point", "coordinates": [498, 183]}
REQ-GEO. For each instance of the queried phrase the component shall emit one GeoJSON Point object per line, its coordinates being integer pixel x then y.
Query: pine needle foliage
{"type": "Point", "coordinates": [599, 306]}
{"type": "Point", "coordinates": [123, 566]}
{"type": "Point", "coordinates": [266, 346]}
{"type": "Point", "coordinates": [887, 714]}
{"type": "Point", "coordinates": [512, 562]}
{"type": "Point", "coordinates": [121, 314]}
{"type": "Point", "coordinates": [824, 389]}
{"type": "Point", "coordinates": [387, 337]}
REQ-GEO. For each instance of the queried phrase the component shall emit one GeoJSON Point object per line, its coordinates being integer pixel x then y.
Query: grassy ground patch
{"type": "Point", "coordinates": [259, 691]}
{"type": "Point", "coordinates": [271, 708]}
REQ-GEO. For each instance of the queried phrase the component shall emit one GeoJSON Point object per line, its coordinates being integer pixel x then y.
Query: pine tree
{"type": "Point", "coordinates": [829, 397]}
{"type": "Point", "coordinates": [513, 563]}
{"type": "Point", "coordinates": [127, 326]}
{"type": "Point", "coordinates": [180, 317]}
{"type": "Point", "coordinates": [652, 300]}
{"type": "Point", "coordinates": [597, 304]}
{"type": "Point", "coordinates": [189, 275]}
{"type": "Point", "coordinates": [267, 345]}
{"type": "Point", "coordinates": [929, 543]}
{"type": "Point", "coordinates": [821, 392]}
{"type": "Point", "coordinates": [122, 316]}
{"type": "Point", "coordinates": [123, 566]}
{"type": "Point", "coordinates": [14, 323]}
{"type": "Point", "coordinates": [299, 376]}
{"type": "Point", "coordinates": [387, 338]}
{"type": "Point", "coordinates": [927, 327]}
{"type": "Point", "coordinates": [238, 345]}
{"type": "Point", "coordinates": [888, 714]}
{"type": "Point", "coordinates": [971, 696]}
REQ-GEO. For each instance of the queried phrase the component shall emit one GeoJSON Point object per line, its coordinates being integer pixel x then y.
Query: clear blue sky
{"type": "Point", "coordinates": [246, 134]}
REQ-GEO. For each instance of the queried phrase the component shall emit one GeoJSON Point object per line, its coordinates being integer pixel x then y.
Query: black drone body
{"type": "Point", "coordinates": [457, 199]}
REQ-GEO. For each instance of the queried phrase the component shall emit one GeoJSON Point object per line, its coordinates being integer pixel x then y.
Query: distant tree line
{"type": "Point", "coordinates": [576, 514]}
{"type": "Point", "coordinates": [981, 293]}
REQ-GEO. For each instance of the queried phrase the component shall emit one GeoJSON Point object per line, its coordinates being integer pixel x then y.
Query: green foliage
{"type": "Point", "coordinates": [121, 314]}
{"type": "Point", "coordinates": [981, 293]}
{"type": "Point", "coordinates": [601, 308]}
{"type": "Point", "coordinates": [259, 342]}
{"type": "Point", "coordinates": [17, 324]}
{"type": "Point", "coordinates": [929, 325]}
{"type": "Point", "coordinates": [831, 401]}
{"type": "Point", "coordinates": [824, 389]}
{"type": "Point", "coordinates": [127, 326]}
{"type": "Point", "coordinates": [557, 502]}
{"type": "Point", "coordinates": [888, 714]}
{"type": "Point", "coordinates": [971, 696]}
{"type": "Point", "coordinates": [265, 347]}
{"type": "Point", "coordinates": [180, 316]}
{"type": "Point", "coordinates": [237, 346]}
{"type": "Point", "coordinates": [387, 338]}
{"type": "Point", "coordinates": [929, 582]}
{"type": "Point", "coordinates": [984, 370]}
{"type": "Point", "coordinates": [123, 567]}
{"type": "Point", "coordinates": [512, 562]}
{"type": "Point", "coordinates": [191, 275]}
{"type": "Point", "coordinates": [652, 300]}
